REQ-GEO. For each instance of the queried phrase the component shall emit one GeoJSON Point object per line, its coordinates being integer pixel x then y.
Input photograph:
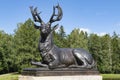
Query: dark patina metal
{"type": "Point", "coordinates": [59, 72]}
{"type": "Point", "coordinates": [54, 57]}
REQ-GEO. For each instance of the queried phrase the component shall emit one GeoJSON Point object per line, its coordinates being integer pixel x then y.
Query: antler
{"type": "Point", "coordinates": [35, 15]}
{"type": "Point", "coordinates": [58, 16]}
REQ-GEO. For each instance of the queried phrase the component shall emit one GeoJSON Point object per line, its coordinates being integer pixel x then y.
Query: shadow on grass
{"type": "Point", "coordinates": [111, 78]}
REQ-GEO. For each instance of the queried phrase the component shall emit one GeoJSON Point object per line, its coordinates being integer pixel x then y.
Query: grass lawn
{"type": "Point", "coordinates": [10, 76]}
{"type": "Point", "coordinates": [111, 76]}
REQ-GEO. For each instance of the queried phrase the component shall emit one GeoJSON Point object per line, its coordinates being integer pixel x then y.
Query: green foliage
{"type": "Point", "coordinates": [106, 63]}
{"type": "Point", "coordinates": [60, 38]}
{"type": "Point", "coordinates": [78, 39]}
{"type": "Point", "coordinates": [26, 42]}
{"type": "Point", "coordinates": [6, 52]}
{"type": "Point", "coordinates": [95, 48]}
{"type": "Point", "coordinates": [115, 53]}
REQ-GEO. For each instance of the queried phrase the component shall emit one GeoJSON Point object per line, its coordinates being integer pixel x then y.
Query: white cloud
{"type": "Point", "coordinates": [85, 30]}
{"type": "Point", "coordinates": [101, 34]}
{"type": "Point", "coordinates": [89, 31]}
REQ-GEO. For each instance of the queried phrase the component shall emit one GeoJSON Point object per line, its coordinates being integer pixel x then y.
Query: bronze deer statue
{"type": "Point", "coordinates": [54, 57]}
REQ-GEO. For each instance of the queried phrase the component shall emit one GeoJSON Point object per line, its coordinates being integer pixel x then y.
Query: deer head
{"type": "Point", "coordinates": [45, 28]}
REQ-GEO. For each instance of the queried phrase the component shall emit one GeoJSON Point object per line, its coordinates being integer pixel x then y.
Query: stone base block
{"type": "Point", "coordinates": [75, 77]}
{"type": "Point", "coordinates": [58, 72]}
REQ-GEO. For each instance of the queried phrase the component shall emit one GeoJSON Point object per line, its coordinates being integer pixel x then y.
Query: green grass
{"type": "Point", "coordinates": [111, 76]}
{"type": "Point", "coordinates": [10, 76]}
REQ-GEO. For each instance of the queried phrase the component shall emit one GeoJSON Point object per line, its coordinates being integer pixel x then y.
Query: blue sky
{"type": "Point", "coordinates": [94, 16]}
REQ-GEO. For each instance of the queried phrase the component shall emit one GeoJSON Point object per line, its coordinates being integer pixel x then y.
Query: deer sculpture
{"type": "Point", "coordinates": [52, 56]}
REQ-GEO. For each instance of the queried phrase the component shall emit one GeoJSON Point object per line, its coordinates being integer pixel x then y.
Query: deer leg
{"type": "Point", "coordinates": [39, 64]}
{"type": "Point", "coordinates": [79, 57]}
{"type": "Point", "coordinates": [53, 64]}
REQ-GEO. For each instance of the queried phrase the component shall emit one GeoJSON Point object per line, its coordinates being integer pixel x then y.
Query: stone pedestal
{"type": "Point", "coordinates": [75, 77]}
{"type": "Point", "coordinates": [59, 74]}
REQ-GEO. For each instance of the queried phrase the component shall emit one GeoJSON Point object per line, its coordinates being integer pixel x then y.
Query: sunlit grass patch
{"type": "Point", "coordinates": [10, 76]}
{"type": "Point", "coordinates": [111, 76]}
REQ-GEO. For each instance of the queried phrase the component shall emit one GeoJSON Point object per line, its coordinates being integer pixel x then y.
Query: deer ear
{"type": "Point", "coordinates": [36, 26]}
{"type": "Point", "coordinates": [55, 27]}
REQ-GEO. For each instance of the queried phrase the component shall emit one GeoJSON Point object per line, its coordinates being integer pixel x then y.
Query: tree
{"type": "Point", "coordinates": [6, 52]}
{"type": "Point", "coordinates": [78, 39]}
{"type": "Point", "coordinates": [95, 49]}
{"type": "Point", "coordinates": [115, 53]}
{"type": "Point", "coordinates": [106, 59]}
{"type": "Point", "coordinates": [1, 51]}
{"type": "Point", "coordinates": [60, 38]}
{"type": "Point", "coordinates": [26, 45]}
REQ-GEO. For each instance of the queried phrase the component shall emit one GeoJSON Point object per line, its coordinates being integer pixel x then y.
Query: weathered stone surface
{"type": "Point", "coordinates": [76, 77]}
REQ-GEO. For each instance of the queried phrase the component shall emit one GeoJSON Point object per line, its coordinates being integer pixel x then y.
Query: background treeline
{"type": "Point", "coordinates": [17, 51]}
